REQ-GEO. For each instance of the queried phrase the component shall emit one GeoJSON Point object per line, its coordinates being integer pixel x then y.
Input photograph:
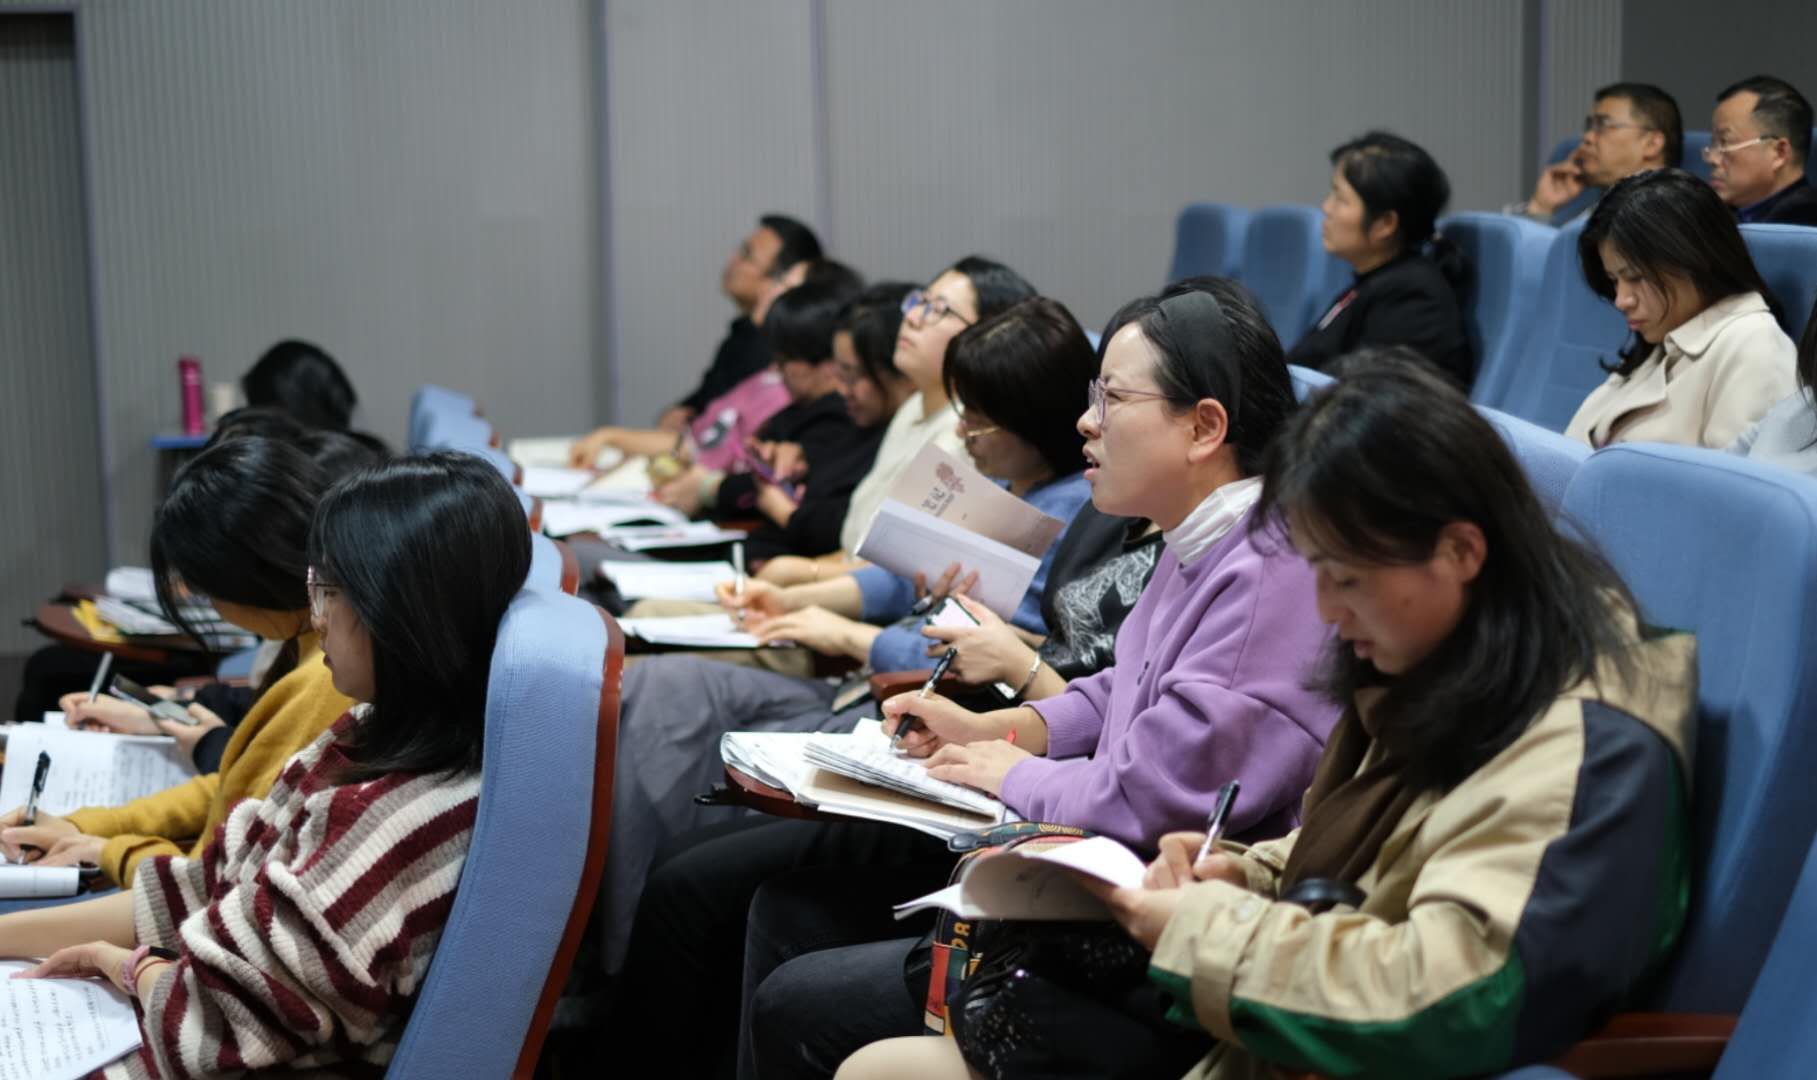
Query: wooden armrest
{"type": "Point", "coordinates": [1642, 1044]}
{"type": "Point", "coordinates": [887, 684]}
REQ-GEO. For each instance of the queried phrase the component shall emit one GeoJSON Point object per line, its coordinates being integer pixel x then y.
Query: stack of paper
{"type": "Point", "coordinates": [667, 580]}
{"type": "Point", "coordinates": [132, 583]}
{"type": "Point", "coordinates": [61, 1029]}
{"type": "Point", "coordinates": [655, 537]}
{"type": "Point", "coordinates": [942, 511]}
{"type": "Point", "coordinates": [89, 768]}
{"type": "Point", "coordinates": [879, 764]}
{"type": "Point", "coordinates": [690, 631]}
{"type": "Point", "coordinates": [552, 452]}
{"type": "Point", "coordinates": [1036, 882]}
{"type": "Point", "coordinates": [780, 759]}
{"type": "Point", "coordinates": [554, 482]}
{"type": "Point", "coordinates": [567, 518]}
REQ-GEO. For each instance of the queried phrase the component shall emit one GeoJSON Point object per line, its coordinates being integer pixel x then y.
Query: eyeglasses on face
{"type": "Point", "coordinates": [1598, 123]}
{"type": "Point", "coordinates": [1717, 151]}
{"type": "Point", "coordinates": [319, 593]}
{"type": "Point", "coordinates": [933, 308]}
{"type": "Point", "coordinates": [970, 429]}
{"type": "Point", "coordinates": [1099, 396]}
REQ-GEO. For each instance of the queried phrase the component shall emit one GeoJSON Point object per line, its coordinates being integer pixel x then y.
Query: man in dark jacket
{"type": "Point", "coordinates": [1759, 139]}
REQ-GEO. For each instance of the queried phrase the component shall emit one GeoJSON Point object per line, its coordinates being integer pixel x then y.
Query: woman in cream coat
{"type": "Point", "coordinates": [1708, 358]}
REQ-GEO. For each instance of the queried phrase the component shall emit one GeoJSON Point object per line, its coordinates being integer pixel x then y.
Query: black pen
{"type": "Point", "coordinates": [1214, 825]}
{"type": "Point", "coordinates": [940, 666]}
{"type": "Point", "coordinates": [31, 802]}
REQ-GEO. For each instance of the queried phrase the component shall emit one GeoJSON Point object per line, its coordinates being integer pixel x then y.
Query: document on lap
{"type": "Point", "coordinates": [552, 451]}
{"type": "Point", "coordinates": [565, 517]}
{"type": "Point", "coordinates": [90, 768]}
{"type": "Point", "coordinates": [941, 511]}
{"type": "Point", "coordinates": [690, 631]}
{"type": "Point", "coordinates": [1035, 882]}
{"type": "Point", "coordinates": [841, 774]}
{"type": "Point", "coordinates": [61, 1029]}
{"type": "Point", "coordinates": [667, 580]}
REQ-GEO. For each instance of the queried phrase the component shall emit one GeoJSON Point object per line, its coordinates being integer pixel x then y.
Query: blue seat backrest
{"type": "Point", "coordinates": [1573, 332]}
{"type": "Point", "coordinates": [529, 857]}
{"type": "Point", "coordinates": [1726, 548]}
{"type": "Point", "coordinates": [1287, 268]}
{"type": "Point", "coordinates": [1549, 459]}
{"type": "Point", "coordinates": [1777, 1034]}
{"type": "Point", "coordinates": [1306, 380]}
{"type": "Point", "coordinates": [1208, 239]}
{"type": "Point", "coordinates": [1693, 162]}
{"type": "Point", "coordinates": [1585, 198]}
{"type": "Point", "coordinates": [1507, 255]}
{"type": "Point", "coordinates": [429, 401]}
{"type": "Point", "coordinates": [1786, 256]}
{"type": "Point", "coordinates": [545, 564]}
{"type": "Point", "coordinates": [450, 431]}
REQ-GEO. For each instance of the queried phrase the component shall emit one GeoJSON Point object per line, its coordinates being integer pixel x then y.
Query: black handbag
{"type": "Point", "coordinates": [1067, 999]}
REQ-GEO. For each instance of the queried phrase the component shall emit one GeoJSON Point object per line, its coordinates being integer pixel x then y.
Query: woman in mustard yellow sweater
{"type": "Point", "coordinates": [232, 530]}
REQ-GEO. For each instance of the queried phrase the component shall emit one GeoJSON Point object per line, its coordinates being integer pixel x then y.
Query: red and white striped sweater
{"type": "Point", "coordinates": [307, 927]}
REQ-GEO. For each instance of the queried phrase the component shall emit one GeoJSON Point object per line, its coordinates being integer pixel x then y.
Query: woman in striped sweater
{"type": "Point", "coordinates": [300, 937]}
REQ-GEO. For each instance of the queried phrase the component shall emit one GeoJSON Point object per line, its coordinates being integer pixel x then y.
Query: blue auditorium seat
{"type": "Point", "coordinates": [1287, 268]}
{"type": "Point", "coordinates": [453, 431]}
{"type": "Point", "coordinates": [1573, 331]}
{"type": "Point", "coordinates": [1725, 548]}
{"type": "Point", "coordinates": [430, 401]}
{"type": "Point", "coordinates": [1208, 239]}
{"type": "Point", "coordinates": [1694, 163]}
{"type": "Point", "coordinates": [1786, 256]}
{"type": "Point", "coordinates": [526, 891]}
{"type": "Point", "coordinates": [1549, 459]}
{"type": "Point", "coordinates": [553, 566]}
{"type": "Point", "coordinates": [1506, 256]}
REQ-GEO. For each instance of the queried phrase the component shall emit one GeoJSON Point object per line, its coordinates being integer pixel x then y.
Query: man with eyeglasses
{"type": "Point", "coordinates": [1759, 138]}
{"type": "Point", "coordinates": [1631, 127]}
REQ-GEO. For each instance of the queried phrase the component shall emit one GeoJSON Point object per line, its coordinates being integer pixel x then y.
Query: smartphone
{"type": "Point", "coordinates": [761, 469]}
{"type": "Point", "coordinates": [127, 690]}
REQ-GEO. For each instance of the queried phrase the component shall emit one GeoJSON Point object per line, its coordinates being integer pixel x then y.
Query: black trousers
{"type": "Point", "coordinates": [685, 981]}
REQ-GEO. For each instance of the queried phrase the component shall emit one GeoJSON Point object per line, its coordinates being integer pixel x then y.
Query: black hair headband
{"type": "Point", "coordinates": [1196, 322]}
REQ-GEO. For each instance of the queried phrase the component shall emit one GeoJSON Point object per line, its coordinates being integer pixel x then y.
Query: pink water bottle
{"type": "Point", "coordinates": [189, 373]}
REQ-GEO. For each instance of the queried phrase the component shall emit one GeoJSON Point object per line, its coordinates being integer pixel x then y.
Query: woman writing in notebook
{"type": "Point", "coordinates": [300, 938]}
{"type": "Point", "coordinates": [1494, 849]}
{"type": "Point", "coordinates": [231, 531]}
{"type": "Point", "coordinates": [1204, 685]}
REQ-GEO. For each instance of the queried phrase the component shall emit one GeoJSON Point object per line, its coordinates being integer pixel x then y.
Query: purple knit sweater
{"type": "Point", "coordinates": [1206, 688]}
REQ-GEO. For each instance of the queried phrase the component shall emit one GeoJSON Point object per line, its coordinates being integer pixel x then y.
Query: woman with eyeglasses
{"type": "Point", "coordinates": [1381, 217]}
{"type": "Point", "coordinates": [231, 531]}
{"type": "Point", "coordinates": [1204, 684]}
{"type": "Point", "coordinates": [1706, 357]}
{"type": "Point", "coordinates": [299, 939]}
{"type": "Point", "coordinates": [971, 290]}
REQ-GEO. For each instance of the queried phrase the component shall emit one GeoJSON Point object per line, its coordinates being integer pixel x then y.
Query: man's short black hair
{"type": "Point", "coordinates": [1660, 111]}
{"type": "Point", "coordinates": [1781, 112]}
{"type": "Point", "coordinates": [799, 243]}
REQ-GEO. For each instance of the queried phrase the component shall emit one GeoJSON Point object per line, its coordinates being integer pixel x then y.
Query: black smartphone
{"type": "Point", "coordinates": [128, 690]}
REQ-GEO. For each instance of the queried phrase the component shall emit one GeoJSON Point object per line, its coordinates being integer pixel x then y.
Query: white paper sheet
{"type": "Point", "coordinates": [668, 580]}
{"type": "Point", "coordinates": [906, 541]}
{"type": "Point", "coordinates": [693, 631]}
{"type": "Point", "coordinates": [552, 452]}
{"type": "Point", "coordinates": [37, 882]}
{"type": "Point", "coordinates": [89, 768]}
{"type": "Point", "coordinates": [61, 1029]}
{"type": "Point", "coordinates": [564, 518]}
{"type": "Point", "coordinates": [655, 537]}
{"type": "Point", "coordinates": [1024, 883]}
{"type": "Point", "coordinates": [547, 482]}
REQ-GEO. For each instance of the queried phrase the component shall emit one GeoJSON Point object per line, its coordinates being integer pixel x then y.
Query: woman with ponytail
{"type": "Point", "coordinates": [231, 532]}
{"type": "Point", "coordinates": [1381, 217]}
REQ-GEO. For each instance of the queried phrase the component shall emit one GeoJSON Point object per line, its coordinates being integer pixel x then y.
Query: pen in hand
{"type": "Point", "coordinates": [1220, 813]}
{"type": "Point", "coordinates": [940, 666]}
{"type": "Point", "coordinates": [738, 577]}
{"type": "Point", "coordinates": [95, 688]}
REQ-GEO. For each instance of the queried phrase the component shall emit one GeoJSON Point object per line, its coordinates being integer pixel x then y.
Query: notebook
{"type": "Point", "coordinates": [667, 580]}
{"type": "Point", "coordinates": [88, 768]}
{"type": "Point", "coordinates": [1029, 883]}
{"type": "Point", "coordinates": [61, 1029]}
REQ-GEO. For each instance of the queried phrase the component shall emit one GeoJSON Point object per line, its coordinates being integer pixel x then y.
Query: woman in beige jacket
{"type": "Point", "coordinates": [1708, 358]}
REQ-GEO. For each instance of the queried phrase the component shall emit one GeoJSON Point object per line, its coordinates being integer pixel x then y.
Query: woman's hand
{"type": "Point", "coordinates": [1142, 912]}
{"type": "Point", "coordinates": [759, 601]}
{"type": "Point", "coordinates": [106, 714]}
{"type": "Point", "coordinates": [90, 960]}
{"type": "Point", "coordinates": [934, 722]}
{"type": "Point", "coordinates": [952, 582]}
{"type": "Point", "coordinates": [788, 570]}
{"type": "Point", "coordinates": [772, 503]}
{"type": "Point", "coordinates": [1179, 864]}
{"type": "Point", "coordinates": [682, 492]}
{"type": "Point", "coordinates": [78, 850]}
{"type": "Point", "coordinates": [786, 460]}
{"type": "Point", "coordinates": [987, 653]}
{"type": "Point", "coordinates": [586, 449]}
{"type": "Point", "coordinates": [188, 735]}
{"type": "Point", "coordinates": [41, 836]}
{"type": "Point", "coordinates": [818, 629]}
{"type": "Point", "coordinates": [982, 765]}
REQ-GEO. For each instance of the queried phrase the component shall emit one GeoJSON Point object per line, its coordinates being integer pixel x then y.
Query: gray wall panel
{"type": "Point", "coordinates": [1694, 49]}
{"type": "Point", "coordinates": [411, 184]}
{"type": "Point", "coordinates": [1582, 43]}
{"type": "Point", "coordinates": [711, 123]}
{"type": "Point", "coordinates": [50, 483]}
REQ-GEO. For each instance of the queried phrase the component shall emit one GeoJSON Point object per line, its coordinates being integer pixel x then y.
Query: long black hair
{"type": "Point", "coordinates": [995, 285]}
{"type": "Point", "coordinates": [303, 380]}
{"type": "Point", "coordinates": [1668, 222]}
{"type": "Point", "coordinates": [428, 550]}
{"type": "Point", "coordinates": [800, 322]}
{"type": "Point", "coordinates": [874, 318]}
{"type": "Point", "coordinates": [1029, 368]}
{"type": "Point", "coordinates": [1372, 468]}
{"type": "Point", "coordinates": [1396, 175]}
{"type": "Point", "coordinates": [1238, 361]}
{"type": "Point", "coordinates": [232, 529]}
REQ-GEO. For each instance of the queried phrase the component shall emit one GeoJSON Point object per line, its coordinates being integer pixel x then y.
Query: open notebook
{"type": "Point", "coordinates": [829, 773]}
{"type": "Point", "coordinates": [1029, 883]}
{"type": "Point", "coordinates": [61, 1029]}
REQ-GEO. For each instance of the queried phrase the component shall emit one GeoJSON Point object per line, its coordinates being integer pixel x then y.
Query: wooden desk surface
{"type": "Point", "coordinates": [58, 622]}
{"type": "Point", "coordinates": [776, 802]}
